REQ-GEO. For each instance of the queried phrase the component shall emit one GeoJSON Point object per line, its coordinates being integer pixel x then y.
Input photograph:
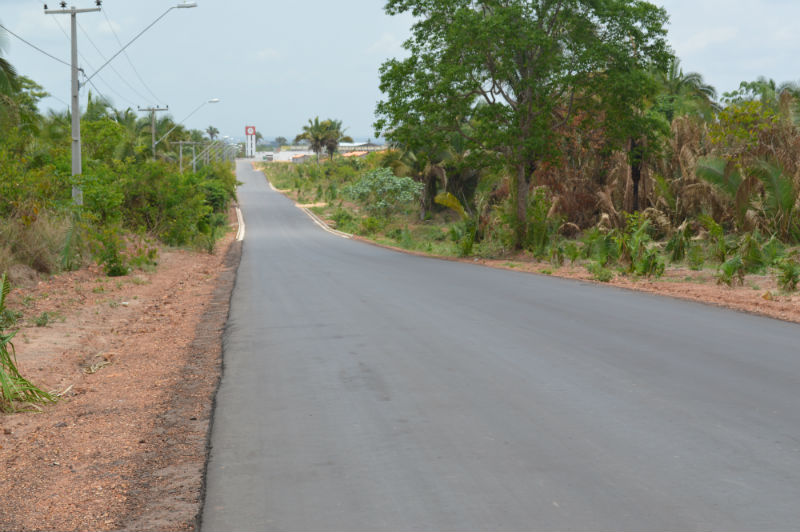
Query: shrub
{"type": "Point", "coordinates": [750, 251]}
{"type": "Point", "coordinates": [678, 244]}
{"type": "Point", "coordinates": [370, 225]}
{"type": "Point", "coordinates": [599, 246]}
{"type": "Point", "coordinates": [107, 246]}
{"type": "Point", "coordinates": [695, 255]}
{"type": "Point", "coordinates": [344, 220]}
{"type": "Point", "coordinates": [637, 249]}
{"type": "Point", "coordinates": [541, 229]}
{"type": "Point", "coordinates": [382, 193]}
{"type": "Point", "coordinates": [599, 272]}
{"type": "Point", "coordinates": [773, 251]}
{"type": "Point", "coordinates": [788, 274]}
{"type": "Point", "coordinates": [732, 271]}
{"type": "Point", "coordinates": [572, 251]}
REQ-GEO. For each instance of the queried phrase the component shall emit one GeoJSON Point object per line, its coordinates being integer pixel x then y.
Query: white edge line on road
{"type": "Point", "coordinates": [314, 217]}
{"type": "Point", "coordinates": [240, 220]}
{"type": "Point", "coordinates": [322, 224]}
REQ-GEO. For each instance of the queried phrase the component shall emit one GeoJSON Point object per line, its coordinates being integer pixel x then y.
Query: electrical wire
{"type": "Point", "coordinates": [135, 71]}
{"type": "Point", "coordinates": [87, 63]}
{"type": "Point", "coordinates": [51, 56]}
{"type": "Point", "coordinates": [125, 81]}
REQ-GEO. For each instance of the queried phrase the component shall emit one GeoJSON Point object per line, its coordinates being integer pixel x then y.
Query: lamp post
{"type": "Point", "coordinates": [155, 142]}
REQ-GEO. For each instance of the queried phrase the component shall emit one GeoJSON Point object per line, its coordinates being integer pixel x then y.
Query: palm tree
{"type": "Point", "coordinates": [212, 132]}
{"type": "Point", "coordinates": [334, 136]}
{"type": "Point", "coordinates": [9, 82]}
{"type": "Point", "coordinates": [684, 93]}
{"type": "Point", "coordinates": [9, 85]}
{"type": "Point", "coordinates": [316, 133]}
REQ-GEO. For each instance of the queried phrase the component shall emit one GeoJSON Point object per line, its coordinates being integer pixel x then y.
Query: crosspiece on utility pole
{"type": "Point", "coordinates": [153, 111]}
{"type": "Point", "coordinates": [77, 167]}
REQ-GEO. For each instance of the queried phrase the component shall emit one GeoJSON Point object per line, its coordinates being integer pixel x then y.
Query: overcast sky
{"type": "Point", "coordinates": [274, 65]}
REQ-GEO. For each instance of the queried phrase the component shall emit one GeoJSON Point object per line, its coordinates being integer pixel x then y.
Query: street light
{"type": "Point", "coordinates": [155, 142]}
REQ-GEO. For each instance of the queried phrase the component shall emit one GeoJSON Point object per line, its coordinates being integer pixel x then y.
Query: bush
{"type": "Point", "coordinates": [541, 229]}
{"type": "Point", "coordinates": [599, 272]}
{"type": "Point", "coordinates": [107, 246]}
{"type": "Point", "coordinates": [382, 193]}
{"type": "Point", "coordinates": [788, 274]}
{"type": "Point", "coordinates": [599, 246]}
{"type": "Point", "coordinates": [695, 255]}
{"type": "Point", "coordinates": [370, 225]}
{"type": "Point", "coordinates": [732, 271]}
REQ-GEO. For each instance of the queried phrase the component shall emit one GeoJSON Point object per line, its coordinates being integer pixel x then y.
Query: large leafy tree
{"type": "Point", "coordinates": [516, 70]}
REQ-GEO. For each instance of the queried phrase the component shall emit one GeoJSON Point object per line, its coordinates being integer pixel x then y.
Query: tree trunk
{"type": "Point", "coordinates": [428, 194]}
{"type": "Point", "coordinates": [520, 186]}
{"type": "Point", "coordinates": [636, 173]}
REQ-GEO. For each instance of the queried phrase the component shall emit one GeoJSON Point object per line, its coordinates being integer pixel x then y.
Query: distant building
{"type": "Point", "coordinates": [345, 147]}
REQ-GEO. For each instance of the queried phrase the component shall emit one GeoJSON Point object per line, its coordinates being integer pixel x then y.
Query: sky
{"type": "Point", "coordinates": [275, 65]}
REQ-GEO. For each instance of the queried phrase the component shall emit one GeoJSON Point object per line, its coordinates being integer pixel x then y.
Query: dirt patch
{"type": "Point", "coordinates": [138, 359]}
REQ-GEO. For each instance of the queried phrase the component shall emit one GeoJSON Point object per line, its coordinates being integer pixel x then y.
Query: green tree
{"type": "Point", "coordinates": [684, 93]}
{"type": "Point", "coordinates": [9, 82]}
{"type": "Point", "coordinates": [9, 85]}
{"type": "Point", "coordinates": [280, 141]}
{"type": "Point", "coordinates": [212, 132]}
{"type": "Point", "coordinates": [316, 133]}
{"type": "Point", "coordinates": [528, 64]}
{"type": "Point", "coordinates": [335, 135]}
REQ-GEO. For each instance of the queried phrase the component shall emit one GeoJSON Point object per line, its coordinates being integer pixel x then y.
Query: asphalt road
{"type": "Point", "coordinates": [366, 389]}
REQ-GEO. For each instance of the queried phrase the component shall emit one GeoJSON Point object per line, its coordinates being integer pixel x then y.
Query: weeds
{"type": "Point", "coordinates": [42, 320]}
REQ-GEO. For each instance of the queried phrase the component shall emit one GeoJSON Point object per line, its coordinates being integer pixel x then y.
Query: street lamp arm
{"type": "Point", "coordinates": [134, 39]}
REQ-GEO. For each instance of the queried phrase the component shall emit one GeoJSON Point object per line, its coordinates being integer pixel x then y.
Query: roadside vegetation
{"type": "Point", "coordinates": [535, 132]}
{"type": "Point", "coordinates": [134, 200]}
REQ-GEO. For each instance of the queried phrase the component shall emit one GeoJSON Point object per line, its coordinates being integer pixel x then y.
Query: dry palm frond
{"type": "Point", "coordinates": [14, 388]}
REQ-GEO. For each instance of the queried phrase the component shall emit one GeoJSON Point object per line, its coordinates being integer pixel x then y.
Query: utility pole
{"type": "Point", "coordinates": [77, 167]}
{"type": "Point", "coordinates": [153, 111]}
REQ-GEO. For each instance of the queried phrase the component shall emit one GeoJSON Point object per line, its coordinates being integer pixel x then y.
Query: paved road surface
{"type": "Point", "coordinates": [370, 390]}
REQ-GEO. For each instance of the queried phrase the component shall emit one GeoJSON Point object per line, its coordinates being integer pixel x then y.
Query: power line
{"type": "Point", "coordinates": [135, 71]}
{"type": "Point", "coordinates": [86, 61]}
{"type": "Point", "coordinates": [125, 81]}
{"type": "Point", "coordinates": [51, 56]}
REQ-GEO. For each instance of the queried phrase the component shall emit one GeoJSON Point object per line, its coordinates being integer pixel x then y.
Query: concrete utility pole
{"type": "Point", "coordinates": [77, 167]}
{"type": "Point", "coordinates": [153, 111]}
